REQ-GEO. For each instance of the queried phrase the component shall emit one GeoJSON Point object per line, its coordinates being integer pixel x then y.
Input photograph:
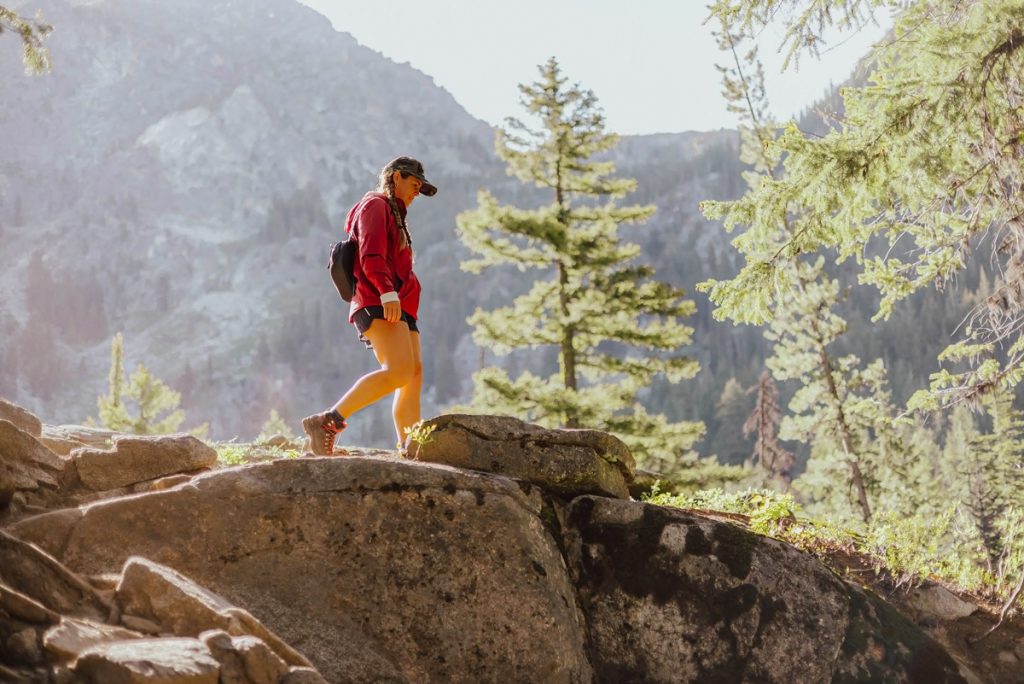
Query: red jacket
{"type": "Point", "coordinates": [383, 265]}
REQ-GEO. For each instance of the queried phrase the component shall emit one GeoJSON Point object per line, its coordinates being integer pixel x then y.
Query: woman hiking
{"type": "Point", "coordinates": [384, 306]}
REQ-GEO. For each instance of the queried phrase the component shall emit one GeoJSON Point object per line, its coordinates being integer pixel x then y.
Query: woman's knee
{"type": "Point", "coordinates": [401, 372]}
{"type": "Point", "coordinates": [405, 373]}
{"type": "Point", "coordinates": [416, 379]}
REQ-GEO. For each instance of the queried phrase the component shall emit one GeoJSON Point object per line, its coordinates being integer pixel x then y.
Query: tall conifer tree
{"type": "Point", "coordinates": [994, 474]}
{"type": "Point", "coordinates": [155, 404]}
{"type": "Point", "coordinates": [832, 411]}
{"type": "Point", "coordinates": [763, 423]}
{"type": "Point", "coordinates": [924, 162]}
{"type": "Point", "coordinates": [731, 445]}
{"type": "Point", "coordinates": [113, 413]}
{"type": "Point", "coordinates": [591, 299]}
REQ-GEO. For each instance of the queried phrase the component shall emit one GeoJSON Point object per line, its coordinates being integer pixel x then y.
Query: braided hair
{"type": "Point", "coordinates": [386, 185]}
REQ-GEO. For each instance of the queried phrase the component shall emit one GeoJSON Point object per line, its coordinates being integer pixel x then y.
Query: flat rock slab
{"type": "Point", "coordinates": [29, 462]}
{"type": "Point", "coordinates": [149, 661]}
{"type": "Point", "coordinates": [566, 462]}
{"type": "Point", "coordinates": [61, 447]}
{"type": "Point", "coordinates": [21, 607]}
{"type": "Point", "coordinates": [72, 637]}
{"type": "Point", "coordinates": [22, 418]}
{"type": "Point", "coordinates": [138, 459]}
{"type": "Point", "coordinates": [30, 571]}
{"type": "Point", "coordinates": [375, 569]}
{"type": "Point", "coordinates": [83, 435]}
{"type": "Point", "coordinates": [674, 597]}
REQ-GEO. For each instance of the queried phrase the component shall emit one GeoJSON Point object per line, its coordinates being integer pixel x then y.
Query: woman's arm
{"type": "Point", "coordinates": [373, 248]}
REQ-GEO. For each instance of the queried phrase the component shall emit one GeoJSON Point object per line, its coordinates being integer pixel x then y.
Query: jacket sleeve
{"type": "Point", "coordinates": [373, 246]}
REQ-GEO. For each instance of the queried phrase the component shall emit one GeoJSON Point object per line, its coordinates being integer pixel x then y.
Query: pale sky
{"type": "Point", "coordinates": [650, 62]}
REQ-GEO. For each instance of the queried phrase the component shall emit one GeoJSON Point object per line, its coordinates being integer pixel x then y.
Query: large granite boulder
{"type": "Point", "coordinates": [565, 462]}
{"type": "Point", "coordinates": [21, 418]}
{"type": "Point", "coordinates": [375, 569]}
{"type": "Point", "coordinates": [139, 459]}
{"type": "Point", "coordinates": [674, 597]}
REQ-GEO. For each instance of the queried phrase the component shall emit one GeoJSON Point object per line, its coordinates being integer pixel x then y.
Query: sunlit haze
{"type": "Point", "coordinates": [650, 62]}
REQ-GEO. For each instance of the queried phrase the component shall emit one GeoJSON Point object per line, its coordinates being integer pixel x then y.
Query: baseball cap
{"type": "Point", "coordinates": [412, 167]}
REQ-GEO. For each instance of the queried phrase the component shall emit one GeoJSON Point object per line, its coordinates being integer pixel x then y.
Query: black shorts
{"type": "Point", "coordinates": [364, 317]}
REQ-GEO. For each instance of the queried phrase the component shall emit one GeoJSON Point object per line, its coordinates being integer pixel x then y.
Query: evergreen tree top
{"type": "Point", "coordinates": [557, 152]}
{"type": "Point", "coordinates": [32, 32]}
{"type": "Point", "coordinates": [926, 159]}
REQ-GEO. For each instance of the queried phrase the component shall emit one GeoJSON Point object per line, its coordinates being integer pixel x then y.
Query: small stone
{"type": "Point", "coordinates": [7, 486]}
{"type": "Point", "coordinates": [279, 441]}
{"type": "Point", "coordinates": [1008, 657]}
{"type": "Point", "coordinates": [302, 675]}
{"type": "Point", "coordinates": [21, 607]}
{"type": "Point", "coordinates": [104, 582]}
{"type": "Point", "coordinates": [940, 603]}
{"type": "Point", "coordinates": [141, 624]}
{"type": "Point", "coordinates": [21, 418]}
{"type": "Point", "coordinates": [61, 447]}
{"type": "Point", "coordinates": [232, 670]}
{"type": "Point", "coordinates": [164, 483]}
{"type": "Point", "coordinates": [23, 647]}
{"type": "Point", "coordinates": [62, 675]}
{"type": "Point", "coordinates": [29, 463]}
{"type": "Point", "coordinates": [244, 659]}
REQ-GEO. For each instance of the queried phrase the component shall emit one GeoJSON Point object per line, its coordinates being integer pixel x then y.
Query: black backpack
{"type": "Point", "coordinates": [341, 265]}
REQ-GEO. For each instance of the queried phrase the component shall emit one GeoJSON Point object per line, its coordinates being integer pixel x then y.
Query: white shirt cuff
{"type": "Point", "coordinates": [389, 297]}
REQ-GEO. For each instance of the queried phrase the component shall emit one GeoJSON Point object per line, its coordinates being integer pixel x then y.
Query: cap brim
{"type": "Point", "coordinates": [428, 189]}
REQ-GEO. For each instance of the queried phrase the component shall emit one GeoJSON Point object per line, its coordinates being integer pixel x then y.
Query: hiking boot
{"type": "Point", "coordinates": [322, 428]}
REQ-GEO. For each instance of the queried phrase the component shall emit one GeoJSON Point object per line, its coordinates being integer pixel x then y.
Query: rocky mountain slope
{"type": "Point", "coordinates": [497, 551]}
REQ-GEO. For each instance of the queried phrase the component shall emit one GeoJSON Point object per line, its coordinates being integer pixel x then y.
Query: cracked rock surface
{"type": "Point", "coordinates": [382, 569]}
{"type": "Point", "coordinates": [375, 569]}
{"type": "Point", "coordinates": [674, 597]}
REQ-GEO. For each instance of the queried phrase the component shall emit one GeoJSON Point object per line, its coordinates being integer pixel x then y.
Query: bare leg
{"type": "Point", "coordinates": [393, 348]}
{"type": "Point", "coordinates": [406, 409]}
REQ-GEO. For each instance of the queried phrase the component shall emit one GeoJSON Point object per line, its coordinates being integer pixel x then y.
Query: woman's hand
{"type": "Point", "coordinates": [392, 312]}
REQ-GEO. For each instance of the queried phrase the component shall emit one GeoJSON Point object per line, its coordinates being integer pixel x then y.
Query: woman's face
{"type": "Point", "coordinates": [406, 189]}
